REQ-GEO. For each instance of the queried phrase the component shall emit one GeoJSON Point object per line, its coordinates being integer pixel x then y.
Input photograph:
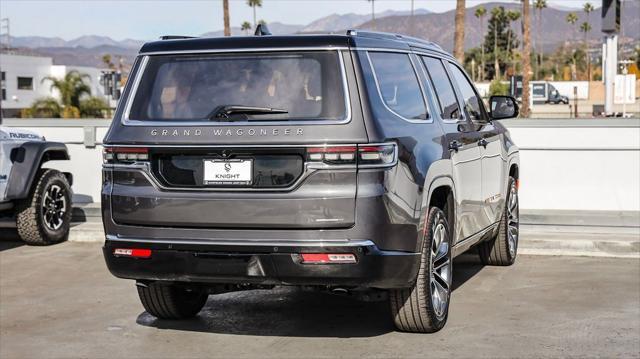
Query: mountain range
{"type": "Point", "coordinates": [437, 27]}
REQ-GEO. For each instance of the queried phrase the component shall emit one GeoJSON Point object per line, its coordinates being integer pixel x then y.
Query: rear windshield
{"type": "Point", "coordinates": [307, 85]}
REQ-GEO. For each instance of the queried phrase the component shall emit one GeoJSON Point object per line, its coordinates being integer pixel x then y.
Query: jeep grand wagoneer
{"type": "Point", "coordinates": [363, 161]}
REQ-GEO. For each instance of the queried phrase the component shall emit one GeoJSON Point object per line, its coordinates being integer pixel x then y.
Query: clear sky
{"type": "Point", "coordinates": [148, 19]}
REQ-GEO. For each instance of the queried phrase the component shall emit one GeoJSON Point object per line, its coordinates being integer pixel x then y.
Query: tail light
{"type": "Point", "coordinates": [125, 154]}
{"type": "Point", "coordinates": [366, 156]}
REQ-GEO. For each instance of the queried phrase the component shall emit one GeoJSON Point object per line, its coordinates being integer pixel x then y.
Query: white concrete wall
{"type": "Point", "coordinates": [565, 164]}
{"type": "Point", "coordinates": [578, 168]}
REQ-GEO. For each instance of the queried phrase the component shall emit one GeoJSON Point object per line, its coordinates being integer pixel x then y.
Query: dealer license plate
{"type": "Point", "coordinates": [228, 172]}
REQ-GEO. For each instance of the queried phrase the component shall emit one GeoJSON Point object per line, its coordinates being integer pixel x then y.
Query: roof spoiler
{"type": "Point", "coordinates": [176, 37]}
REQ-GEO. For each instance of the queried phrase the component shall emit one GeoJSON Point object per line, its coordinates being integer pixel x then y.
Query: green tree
{"type": "Point", "coordinates": [497, 88]}
{"type": "Point", "coordinates": [480, 13]}
{"type": "Point", "coordinates": [106, 60]}
{"type": "Point", "coordinates": [46, 107]}
{"type": "Point", "coordinates": [497, 39]}
{"type": "Point", "coordinates": [71, 87]}
{"type": "Point", "coordinates": [512, 16]}
{"type": "Point", "coordinates": [572, 19]}
{"type": "Point", "coordinates": [588, 8]}
{"type": "Point", "coordinates": [253, 4]}
{"type": "Point", "coordinates": [246, 26]}
{"type": "Point", "coordinates": [586, 28]}
{"type": "Point", "coordinates": [538, 5]}
{"type": "Point", "coordinates": [94, 107]}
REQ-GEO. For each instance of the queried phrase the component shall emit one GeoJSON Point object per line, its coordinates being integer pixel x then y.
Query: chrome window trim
{"type": "Point", "coordinates": [125, 120]}
{"type": "Point", "coordinates": [248, 242]}
{"type": "Point", "coordinates": [424, 100]}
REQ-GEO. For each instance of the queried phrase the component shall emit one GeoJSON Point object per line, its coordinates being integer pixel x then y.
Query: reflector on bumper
{"type": "Point", "coordinates": [322, 258]}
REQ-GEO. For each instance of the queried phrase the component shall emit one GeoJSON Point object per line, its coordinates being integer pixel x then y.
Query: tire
{"type": "Point", "coordinates": [169, 301]}
{"type": "Point", "coordinates": [45, 216]}
{"type": "Point", "coordinates": [416, 309]}
{"type": "Point", "coordinates": [503, 248]}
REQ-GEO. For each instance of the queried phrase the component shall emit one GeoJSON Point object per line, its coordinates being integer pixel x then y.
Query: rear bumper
{"type": "Point", "coordinates": [268, 263]}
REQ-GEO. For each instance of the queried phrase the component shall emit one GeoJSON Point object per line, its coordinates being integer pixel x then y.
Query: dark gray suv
{"type": "Point", "coordinates": [353, 163]}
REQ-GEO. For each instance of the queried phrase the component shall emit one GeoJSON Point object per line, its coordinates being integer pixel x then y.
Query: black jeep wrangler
{"type": "Point", "coordinates": [363, 161]}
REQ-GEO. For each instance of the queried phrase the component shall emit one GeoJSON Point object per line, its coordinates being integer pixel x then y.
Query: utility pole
{"type": "Point", "coordinates": [6, 27]}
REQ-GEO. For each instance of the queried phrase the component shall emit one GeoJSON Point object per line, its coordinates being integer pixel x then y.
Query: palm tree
{"type": "Point", "coordinates": [246, 26]}
{"type": "Point", "coordinates": [572, 18]}
{"type": "Point", "coordinates": [458, 41]}
{"type": "Point", "coordinates": [373, 12]}
{"type": "Point", "coordinates": [480, 13]}
{"type": "Point", "coordinates": [588, 8]}
{"type": "Point", "coordinates": [512, 16]}
{"type": "Point", "coordinates": [71, 87]}
{"type": "Point", "coordinates": [106, 60]}
{"type": "Point", "coordinates": [495, 13]}
{"type": "Point", "coordinates": [585, 27]}
{"type": "Point", "coordinates": [539, 5]}
{"type": "Point", "coordinates": [253, 4]}
{"type": "Point", "coordinates": [225, 11]}
{"type": "Point", "coordinates": [526, 59]}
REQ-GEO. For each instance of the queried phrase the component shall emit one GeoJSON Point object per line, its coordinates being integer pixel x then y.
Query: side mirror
{"type": "Point", "coordinates": [503, 107]}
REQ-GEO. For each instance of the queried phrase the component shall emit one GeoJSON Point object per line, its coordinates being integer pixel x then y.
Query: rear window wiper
{"type": "Point", "coordinates": [221, 113]}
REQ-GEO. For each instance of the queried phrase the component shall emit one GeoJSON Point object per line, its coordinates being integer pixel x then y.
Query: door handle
{"type": "Point", "coordinates": [454, 145]}
{"type": "Point", "coordinates": [483, 143]}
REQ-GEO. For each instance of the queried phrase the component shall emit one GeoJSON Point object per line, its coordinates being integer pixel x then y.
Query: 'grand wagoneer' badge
{"type": "Point", "coordinates": [228, 132]}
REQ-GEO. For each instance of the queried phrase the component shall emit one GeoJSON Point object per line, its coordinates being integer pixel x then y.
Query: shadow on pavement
{"type": "Point", "coordinates": [465, 267]}
{"type": "Point", "coordinates": [291, 312]}
{"type": "Point", "coordinates": [9, 239]}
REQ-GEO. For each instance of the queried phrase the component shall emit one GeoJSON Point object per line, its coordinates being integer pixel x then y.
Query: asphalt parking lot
{"type": "Point", "coordinates": [60, 301]}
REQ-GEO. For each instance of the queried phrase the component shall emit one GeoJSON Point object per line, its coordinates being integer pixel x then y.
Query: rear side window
{"type": "Point", "coordinates": [471, 100]}
{"type": "Point", "coordinates": [308, 85]}
{"type": "Point", "coordinates": [398, 84]}
{"type": "Point", "coordinates": [444, 91]}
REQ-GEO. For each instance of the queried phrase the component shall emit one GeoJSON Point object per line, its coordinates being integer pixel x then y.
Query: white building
{"type": "Point", "coordinates": [23, 80]}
